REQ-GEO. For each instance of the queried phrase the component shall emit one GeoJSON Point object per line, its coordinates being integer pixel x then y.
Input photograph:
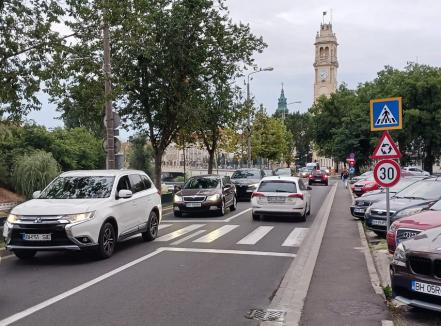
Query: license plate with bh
{"type": "Point", "coordinates": [426, 288]}
{"type": "Point", "coordinates": [379, 222]}
{"type": "Point", "coordinates": [193, 204]}
{"type": "Point", "coordinates": [37, 237]}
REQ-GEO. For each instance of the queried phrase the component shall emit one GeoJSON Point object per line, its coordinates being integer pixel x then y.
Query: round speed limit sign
{"type": "Point", "coordinates": [387, 173]}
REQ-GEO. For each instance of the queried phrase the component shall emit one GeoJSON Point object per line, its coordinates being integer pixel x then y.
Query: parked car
{"type": "Point", "coordinates": [318, 176]}
{"type": "Point", "coordinates": [172, 179]}
{"type": "Point", "coordinates": [415, 170]}
{"type": "Point", "coordinates": [364, 186]}
{"type": "Point", "coordinates": [408, 227]}
{"type": "Point", "coordinates": [410, 201]}
{"type": "Point", "coordinates": [416, 271]}
{"type": "Point", "coordinates": [205, 193]}
{"type": "Point", "coordinates": [281, 196]}
{"type": "Point", "coordinates": [268, 173]}
{"type": "Point", "coordinates": [361, 177]}
{"type": "Point", "coordinates": [85, 210]}
{"type": "Point", "coordinates": [246, 181]}
{"type": "Point", "coordinates": [360, 204]}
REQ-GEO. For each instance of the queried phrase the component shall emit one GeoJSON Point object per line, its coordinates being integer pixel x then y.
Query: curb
{"type": "Point", "coordinates": [290, 296]}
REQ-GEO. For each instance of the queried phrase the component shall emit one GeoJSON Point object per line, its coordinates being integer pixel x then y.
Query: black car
{"type": "Point", "coordinates": [205, 193]}
{"type": "Point", "coordinates": [412, 200]}
{"type": "Point", "coordinates": [246, 181]}
{"type": "Point", "coordinates": [416, 271]}
{"type": "Point", "coordinates": [361, 204]}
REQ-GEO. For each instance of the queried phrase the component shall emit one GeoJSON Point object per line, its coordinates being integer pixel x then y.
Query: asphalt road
{"type": "Point", "coordinates": [200, 271]}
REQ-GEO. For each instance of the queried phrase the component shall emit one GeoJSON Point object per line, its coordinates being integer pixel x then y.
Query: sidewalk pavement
{"type": "Point", "coordinates": [341, 292]}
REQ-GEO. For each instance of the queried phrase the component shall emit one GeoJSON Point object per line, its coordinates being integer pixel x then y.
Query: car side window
{"type": "Point", "coordinates": [137, 183]}
{"type": "Point", "coordinates": [147, 182]}
{"type": "Point", "coordinates": [123, 184]}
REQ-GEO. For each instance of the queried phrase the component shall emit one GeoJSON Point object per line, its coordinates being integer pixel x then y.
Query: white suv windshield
{"type": "Point", "coordinates": [83, 187]}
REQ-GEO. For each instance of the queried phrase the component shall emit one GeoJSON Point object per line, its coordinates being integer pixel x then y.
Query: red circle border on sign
{"type": "Point", "coordinates": [397, 167]}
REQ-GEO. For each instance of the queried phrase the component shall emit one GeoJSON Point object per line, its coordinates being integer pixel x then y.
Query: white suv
{"type": "Point", "coordinates": [416, 171]}
{"type": "Point", "coordinates": [82, 210]}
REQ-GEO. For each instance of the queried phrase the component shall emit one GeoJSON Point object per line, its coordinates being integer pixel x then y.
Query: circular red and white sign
{"type": "Point", "coordinates": [387, 173]}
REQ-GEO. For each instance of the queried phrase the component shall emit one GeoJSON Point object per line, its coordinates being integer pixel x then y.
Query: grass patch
{"type": "Point", "coordinates": [388, 292]}
{"type": "Point", "coordinates": [381, 245]}
{"type": "Point", "coordinates": [2, 242]}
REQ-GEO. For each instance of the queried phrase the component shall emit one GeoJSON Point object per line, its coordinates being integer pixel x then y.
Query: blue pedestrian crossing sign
{"type": "Point", "coordinates": [386, 114]}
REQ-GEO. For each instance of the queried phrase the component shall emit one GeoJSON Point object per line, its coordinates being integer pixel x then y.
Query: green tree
{"type": "Point", "coordinates": [140, 156]}
{"type": "Point", "coordinates": [27, 42]}
{"type": "Point", "coordinates": [300, 127]}
{"type": "Point", "coordinates": [34, 172]}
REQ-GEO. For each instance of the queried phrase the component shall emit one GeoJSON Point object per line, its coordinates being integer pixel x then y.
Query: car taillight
{"type": "Point", "coordinates": [257, 194]}
{"type": "Point", "coordinates": [295, 196]}
{"type": "Point", "coordinates": [311, 176]}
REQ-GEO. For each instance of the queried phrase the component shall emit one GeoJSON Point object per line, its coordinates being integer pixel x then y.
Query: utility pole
{"type": "Point", "coordinates": [110, 133]}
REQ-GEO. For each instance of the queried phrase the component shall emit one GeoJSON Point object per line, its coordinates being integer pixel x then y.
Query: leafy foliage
{"type": "Point", "coordinates": [141, 154]}
{"type": "Point", "coordinates": [34, 172]}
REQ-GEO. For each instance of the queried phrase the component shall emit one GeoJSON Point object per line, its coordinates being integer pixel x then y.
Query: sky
{"type": "Point", "coordinates": [371, 34]}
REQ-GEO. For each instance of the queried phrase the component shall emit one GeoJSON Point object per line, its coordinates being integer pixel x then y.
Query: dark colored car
{"type": "Point", "coordinates": [408, 227]}
{"type": "Point", "coordinates": [246, 181]}
{"type": "Point", "coordinates": [416, 271]}
{"type": "Point", "coordinates": [318, 176]}
{"type": "Point", "coordinates": [205, 193]}
{"type": "Point", "coordinates": [410, 201]}
{"type": "Point", "coordinates": [361, 204]}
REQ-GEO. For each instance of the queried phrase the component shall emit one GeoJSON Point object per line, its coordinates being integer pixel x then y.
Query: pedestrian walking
{"type": "Point", "coordinates": [345, 177]}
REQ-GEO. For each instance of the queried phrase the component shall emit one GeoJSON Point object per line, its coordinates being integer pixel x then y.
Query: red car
{"type": "Point", "coordinates": [318, 176]}
{"type": "Point", "coordinates": [408, 227]}
{"type": "Point", "coordinates": [361, 187]}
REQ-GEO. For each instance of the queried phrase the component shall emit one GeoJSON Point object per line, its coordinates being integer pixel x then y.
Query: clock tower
{"type": "Point", "coordinates": [325, 63]}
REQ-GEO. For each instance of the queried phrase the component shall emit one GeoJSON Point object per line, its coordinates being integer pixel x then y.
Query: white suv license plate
{"type": "Point", "coordinates": [37, 237]}
{"type": "Point", "coordinates": [379, 222]}
{"type": "Point", "coordinates": [193, 204]}
{"type": "Point", "coordinates": [426, 288]}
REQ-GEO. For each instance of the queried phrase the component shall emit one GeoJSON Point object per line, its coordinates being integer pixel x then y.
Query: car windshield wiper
{"type": "Point", "coordinates": [410, 197]}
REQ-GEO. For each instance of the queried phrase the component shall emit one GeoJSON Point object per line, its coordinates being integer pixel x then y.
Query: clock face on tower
{"type": "Point", "coordinates": [323, 75]}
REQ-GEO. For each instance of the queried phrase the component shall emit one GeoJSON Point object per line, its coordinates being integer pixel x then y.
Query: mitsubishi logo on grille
{"type": "Point", "coordinates": [38, 220]}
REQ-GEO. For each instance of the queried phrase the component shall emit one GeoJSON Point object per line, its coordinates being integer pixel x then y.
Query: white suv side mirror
{"type": "Point", "coordinates": [36, 194]}
{"type": "Point", "coordinates": [124, 193]}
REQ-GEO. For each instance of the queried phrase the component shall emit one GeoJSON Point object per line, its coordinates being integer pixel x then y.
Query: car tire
{"type": "Point", "coordinates": [25, 254]}
{"type": "Point", "coordinates": [326, 183]}
{"type": "Point", "coordinates": [303, 216]}
{"type": "Point", "coordinates": [309, 210]}
{"type": "Point", "coordinates": [221, 211]}
{"type": "Point", "coordinates": [177, 214]}
{"type": "Point", "coordinates": [234, 205]}
{"type": "Point", "coordinates": [256, 217]}
{"type": "Point", "coordinates": [310, 183]}
{"type": "Point", "coordinates": [152, 227]}
{"type": "Point", "coordinates": [106, 241]}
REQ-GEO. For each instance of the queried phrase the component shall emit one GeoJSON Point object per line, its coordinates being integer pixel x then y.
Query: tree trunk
{"type": "Point", "coordinates": [428, 160]}
{"type": "Point", "coordinates": [158, 168]}
{"type": "Point", "coordinates": [210, 161]}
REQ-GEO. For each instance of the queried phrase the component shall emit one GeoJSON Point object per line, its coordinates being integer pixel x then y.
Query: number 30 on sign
{"type": "Point", "coordinates": [387, 173]}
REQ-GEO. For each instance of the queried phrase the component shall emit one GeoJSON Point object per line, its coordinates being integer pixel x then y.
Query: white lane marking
{"type": "Point", "coordinates": [256, 235]}
{"type": "Point", "coordinates": [31, 310]}
{"type": "Point", "coordinates": [163, 226]}
{"type": "Point", "coordinates": [233, 252]}
{"type": "Point", "coordinates": [295, 238]}
{"type": "Point", "coordinates": [180, 232]}
{"type": "Point", "coordinates": [216, 234]}
{"type": "Point", "coordinates": [20, 315]}
{"type": "Point", "coordinates": [184, 220]}
{"type": "Point", "coordinates": [188, 237]}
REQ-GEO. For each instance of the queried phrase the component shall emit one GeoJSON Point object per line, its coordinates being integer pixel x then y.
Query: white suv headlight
{"type": "Point", "coordinates": [77, 218]}
{"type": "Point", "coordinates": [12, 218]}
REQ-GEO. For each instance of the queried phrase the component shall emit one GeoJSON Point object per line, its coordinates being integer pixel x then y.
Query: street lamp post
{"type": "Point", "coordinates": [295, 102]}
{"type": "Point", "coordinates": [249, 114]}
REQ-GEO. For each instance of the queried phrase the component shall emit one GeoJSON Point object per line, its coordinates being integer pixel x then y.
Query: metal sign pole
{"type": "Point", "coordinates": [387, 209]}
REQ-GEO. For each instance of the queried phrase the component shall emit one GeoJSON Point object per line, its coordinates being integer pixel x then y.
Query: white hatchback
{"type": "Point", "coordinates": [85, 210]}
{"type": "Point", "coordinates": [281, 196]}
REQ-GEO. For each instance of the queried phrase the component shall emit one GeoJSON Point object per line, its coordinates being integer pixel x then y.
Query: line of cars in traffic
{"type": "Point", "coordinates": [414, 236]}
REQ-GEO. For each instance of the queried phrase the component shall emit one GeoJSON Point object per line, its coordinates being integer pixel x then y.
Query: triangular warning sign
{"type": "Point", "coordinates": [385, 118]}
{"type": "Point", "coordinates": [386, 148]}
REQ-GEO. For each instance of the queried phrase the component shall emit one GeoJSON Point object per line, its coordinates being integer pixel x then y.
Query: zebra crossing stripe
{"type": "Point", "coordinates": [216, 234]}
{"type": "Point", "coordinates": [188, 237]}
{"type": "Point", "coordinates": [163, 226]}
{"type": "Point", "coordinates": [295, 238]}
{"type": "Point", "coordinates": [180, 232]}
{"type": "Point", "coordinates": [256, 235]}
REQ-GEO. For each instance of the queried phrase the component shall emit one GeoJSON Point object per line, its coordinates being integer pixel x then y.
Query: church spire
{"type": "Point", "coordinates": [282, 105]}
